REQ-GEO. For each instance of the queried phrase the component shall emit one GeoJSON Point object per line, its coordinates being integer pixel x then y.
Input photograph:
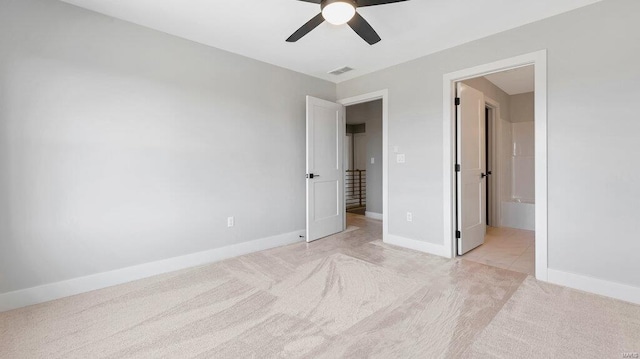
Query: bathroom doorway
{"type": "Point", "coordinates": [495, 179]}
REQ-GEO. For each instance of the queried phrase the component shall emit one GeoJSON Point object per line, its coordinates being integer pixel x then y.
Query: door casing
{"type": "Point", "coordinates": [495, 154]}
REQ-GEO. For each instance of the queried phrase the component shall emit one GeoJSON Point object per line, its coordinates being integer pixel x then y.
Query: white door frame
{"type": "Point", "coordinates": [496, 155]}
{"type": "Point", "coordinates": [539, 60]}
{"type": "Point", "coordinates": [384, 96]}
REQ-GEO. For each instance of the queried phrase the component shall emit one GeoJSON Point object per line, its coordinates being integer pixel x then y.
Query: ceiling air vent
{"type": "Point", "coordinates": [340, 71]}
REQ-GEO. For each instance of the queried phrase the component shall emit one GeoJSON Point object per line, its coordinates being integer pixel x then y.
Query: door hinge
{"type": "Point", "coordinates": [457, 101]}
{"type": "Point", "coordinates": [458, 235]}
{"type": "Point", "coordinates": [457, 168]}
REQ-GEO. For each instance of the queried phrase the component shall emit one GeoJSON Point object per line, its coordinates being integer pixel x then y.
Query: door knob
{"type": "Point", "coordinates": [311, 175]}
{"type": "Point", "coordinates": [482, 175]}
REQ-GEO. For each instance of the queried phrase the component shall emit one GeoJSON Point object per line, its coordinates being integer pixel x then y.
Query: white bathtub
{"type": "Point", "coordinates": [519, 214]}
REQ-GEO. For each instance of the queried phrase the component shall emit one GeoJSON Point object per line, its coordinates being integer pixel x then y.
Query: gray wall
{"type": "Point", "coordinates": [593, 77]}
{"type": "Point", "coordinates": [370, 113]}
{"type": "Point", "coordinates": [121, 145]}
{"type": "Point", "coordinates": [522, 107]}
{"type": "Point", "coordinates": [493, 92]}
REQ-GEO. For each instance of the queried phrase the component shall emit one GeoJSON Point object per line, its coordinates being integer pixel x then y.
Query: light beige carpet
{"type": "Point", "coordinates": [347, 296]}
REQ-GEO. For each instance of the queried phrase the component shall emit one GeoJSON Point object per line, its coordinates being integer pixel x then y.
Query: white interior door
{"type": "Point", "coordinates": [471, 177]}
{"type": "Point", "coordinates": [325, 174]}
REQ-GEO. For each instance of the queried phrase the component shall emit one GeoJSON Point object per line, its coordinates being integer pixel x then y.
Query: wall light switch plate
{"type": "Point", "coordinates": [373, 160]}
{"type": "Point", "coordinates": [230, 221]}
{"type": "Point", "coordinates": [409, 217]}
{"type": "Point", "coordinates": [400, 158]}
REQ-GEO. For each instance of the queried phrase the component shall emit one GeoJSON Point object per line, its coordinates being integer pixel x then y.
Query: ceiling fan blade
{"type": "Point", "coordinates": [362, 28]}
{"type": "Point", "coordinates": [313, 1]}
{"type": "Point", "coordinates": [362, 3]}
{"type": "Point", "coordinates": [306, 28]}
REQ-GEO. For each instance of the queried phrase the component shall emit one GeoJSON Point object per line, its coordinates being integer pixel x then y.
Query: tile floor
{"type": "Point", "coordinates": [506, 248]}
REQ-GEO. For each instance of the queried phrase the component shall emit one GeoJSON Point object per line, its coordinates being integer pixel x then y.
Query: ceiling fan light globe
{"type": "Point", "coordinates": [338, 12]}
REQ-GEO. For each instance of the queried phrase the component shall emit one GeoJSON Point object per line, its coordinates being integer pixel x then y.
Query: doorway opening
{"type": "Point", "coordinates": [363, 160]}
{"type": "Point", "coordinates": [496, 153]}
{"type": "Point", "coordinates": [379, 103]}
{"type": "Point", "coordinates": [495, 176]}
{"type": "Point", "coordinates": [328, 159]}
{"type": "Point", "coordinates": [495, 143]}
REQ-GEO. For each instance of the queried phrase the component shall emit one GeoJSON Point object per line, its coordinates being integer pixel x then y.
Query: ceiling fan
{"type": "Point", "coordinates": [340, 12]}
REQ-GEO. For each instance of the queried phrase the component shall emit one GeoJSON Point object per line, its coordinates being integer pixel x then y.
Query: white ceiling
{"type": "Point", "coordinates": [258, 28]}
{"type": "Point", "coordinates": [514, 82]}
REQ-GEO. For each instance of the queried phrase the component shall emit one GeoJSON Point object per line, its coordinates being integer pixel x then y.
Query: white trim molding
{"type": "Point", "coordinates": [384, 96]}
{"type": "Point", "coordinates": [52, 291]}
{"type": "Point", "coordinates": [593, 285]}
{"type": "Point", "coordinates": [496, 154]}
{"type": "Point", "coordinates": [426, 247]}
{"type": "Point", "coordinates": [539, 60]}
{"type": "Point", "coordinates": [373, 215]}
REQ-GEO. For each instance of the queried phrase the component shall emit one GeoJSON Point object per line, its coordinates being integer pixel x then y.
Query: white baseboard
{"type": "Point", "coordinates": [593, 285]}
{"type": "Point", "coordinates": [435, 249]}
{"type": "Point", "coordinates": [52, 291]}
{"type": "Point", "coordinates": [373, 215]}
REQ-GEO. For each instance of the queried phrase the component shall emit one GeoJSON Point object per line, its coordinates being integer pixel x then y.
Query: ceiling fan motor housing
{"type": "Point", "coordinates": [342, 12]}
{"type": "Point", "coordinates": [325, 3]}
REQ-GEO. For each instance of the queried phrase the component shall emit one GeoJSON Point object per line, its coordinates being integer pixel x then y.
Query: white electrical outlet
{"type": "Point", "coordinates": [409, 217]}
{"type": "Point", "coordinates": [400, 158]}
{"type": "Point", "coordinates": [230, 221]}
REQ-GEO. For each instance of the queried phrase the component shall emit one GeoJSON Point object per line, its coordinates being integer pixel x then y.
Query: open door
{"type": "Point", "coordinates": [471, 173]}
{"type": "Point", "coordinates": [325, 173]}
